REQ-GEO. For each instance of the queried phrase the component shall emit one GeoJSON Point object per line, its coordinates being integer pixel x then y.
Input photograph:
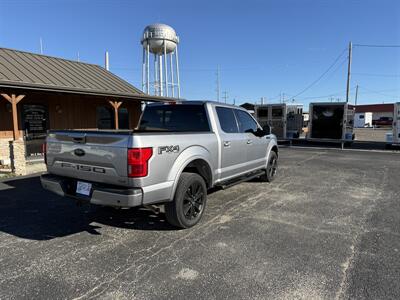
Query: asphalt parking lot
{"type": "Point", "coordinates": [327, 228]}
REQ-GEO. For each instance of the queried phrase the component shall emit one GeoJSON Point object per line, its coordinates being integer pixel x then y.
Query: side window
{"type": "Point", "coordinates": [277, 112]}
{"type": "Point", "coordinates": [263, 112]}
{"type": "Point", "coordinates": [246, 122]}
{"type": "Point", "coordinates": [227, 120]}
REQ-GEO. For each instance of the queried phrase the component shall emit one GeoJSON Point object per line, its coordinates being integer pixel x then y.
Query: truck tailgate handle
{"type": "Point", "coordinates": [79, 139]}
{"type": "Point", "coordinates": [227, 144]}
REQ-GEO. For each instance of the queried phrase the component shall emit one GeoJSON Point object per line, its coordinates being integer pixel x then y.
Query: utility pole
{"type": "Point", "coordinates": [349, 72]}
{"type": "Point", "coordinates": [225, 97]}
{"type": "Point", "coordinates": [355, 100]}
{"type": "Point", "coordinates": [218, 84]}
{"type": "Point", "coordinates": [41, 45]}
{"type": "Point", "coordinates": [107, 62]}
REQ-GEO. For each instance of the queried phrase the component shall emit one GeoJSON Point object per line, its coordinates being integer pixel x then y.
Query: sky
{"type": "Point", "coordinates": [277, 49]}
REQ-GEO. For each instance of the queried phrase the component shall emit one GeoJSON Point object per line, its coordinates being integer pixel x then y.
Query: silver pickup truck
{"type": "Point", "coordinates": [177, 153]}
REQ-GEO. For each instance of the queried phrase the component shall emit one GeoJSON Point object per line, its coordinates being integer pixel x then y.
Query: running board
{"type": "Point", "coordinates": [229, 183]}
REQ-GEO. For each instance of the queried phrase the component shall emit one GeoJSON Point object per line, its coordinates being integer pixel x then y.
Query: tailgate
{"type": "Point", "coordinates": [97, 156]}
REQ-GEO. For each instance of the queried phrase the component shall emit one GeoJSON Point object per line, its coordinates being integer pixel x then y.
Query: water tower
{"type": "Point", "coordinates": [160, 74]}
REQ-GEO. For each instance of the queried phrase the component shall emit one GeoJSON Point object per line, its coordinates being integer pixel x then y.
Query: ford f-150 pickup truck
{"type": "Point", "coordinates": [177, 153]}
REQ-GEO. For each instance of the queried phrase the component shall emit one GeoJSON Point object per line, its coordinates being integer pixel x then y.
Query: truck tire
{"type": "Point", "coordinates": [189, 201]}
{"type": "Point", "coordinates": [272, 167]}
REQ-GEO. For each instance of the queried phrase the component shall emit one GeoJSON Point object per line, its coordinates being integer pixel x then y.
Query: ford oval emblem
{"type": "Point", "coordinates": [79, 152]}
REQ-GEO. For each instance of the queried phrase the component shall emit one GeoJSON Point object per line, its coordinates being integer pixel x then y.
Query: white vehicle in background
{"type": "Point", "coordinates": [393, 138]}
{"type": "Point", "coordinates": [363, 120]}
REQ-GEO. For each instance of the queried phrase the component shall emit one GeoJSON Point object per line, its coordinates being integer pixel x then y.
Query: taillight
{"type": "Point", "coordinates": [44, 151]}
{"type": "Point", "coordinates": [138, 161]}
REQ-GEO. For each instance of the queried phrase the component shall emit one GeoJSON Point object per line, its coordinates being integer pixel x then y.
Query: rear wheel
{"type": "Point", "coordinates": [189, 201]}
{"type": "Point", "coordinates": [272, 167]}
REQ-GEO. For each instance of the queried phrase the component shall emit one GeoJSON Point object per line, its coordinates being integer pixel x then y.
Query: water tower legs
{"type": "Point", "coordinates": [177, 72]}
{"type": "Point", "coordinates": [160, 73]}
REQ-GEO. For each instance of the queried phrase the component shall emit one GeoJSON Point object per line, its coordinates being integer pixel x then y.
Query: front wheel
{"type": "Point", "coordinates": [272, 167]}
{"type": "Point", "coordinates": [189, 201]}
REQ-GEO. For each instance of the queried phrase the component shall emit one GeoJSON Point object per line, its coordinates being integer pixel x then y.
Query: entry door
{"type": "Point", "coordinates": [256, 147]}
{"type": "Point", "coordinates": [233, 145]}
{"type": "Point", "coordinates": [35, 123]}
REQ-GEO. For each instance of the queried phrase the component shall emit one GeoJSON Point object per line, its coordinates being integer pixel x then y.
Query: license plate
{"type": "Point", "coordinates": [83, 188]}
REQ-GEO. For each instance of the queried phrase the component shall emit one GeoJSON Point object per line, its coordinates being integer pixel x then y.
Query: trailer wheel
{"type": "Point", "coordinates": [189, 201]}
{"type": "Point", "coordinates": [272, 167]}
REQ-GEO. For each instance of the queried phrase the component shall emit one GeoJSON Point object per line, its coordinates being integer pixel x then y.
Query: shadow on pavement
{"type": "Point", "coordinates": [28, 211]}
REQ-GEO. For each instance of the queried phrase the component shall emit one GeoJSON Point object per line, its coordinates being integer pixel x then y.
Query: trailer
{"type": "Point", "coordinates": [393, 137]}
{"type": "Point", "coordinates": [331, 121]}
{"type": "Point", "coordinates": [363, 120]}
{"type": "Point", "coordinates": [285, 120]}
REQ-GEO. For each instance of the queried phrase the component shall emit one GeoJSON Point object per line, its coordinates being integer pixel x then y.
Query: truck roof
{"type": "Point", "coordinates": [196, 102]}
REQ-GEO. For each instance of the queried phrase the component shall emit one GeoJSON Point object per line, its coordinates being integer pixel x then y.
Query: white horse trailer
{"type": "Point", "coordinates": [393, 138]}
{"type": "Point", "coordinates": [363, 119]}
{"type": "Point", "coordinates": [285, 120]}
{"type": "Point", "coordinates": [331, 121]}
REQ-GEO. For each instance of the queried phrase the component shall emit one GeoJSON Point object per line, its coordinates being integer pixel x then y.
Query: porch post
{"type": "Point", "coordinates": [13, 99]}
{"type": "Point", "coordinates": [115, 105]}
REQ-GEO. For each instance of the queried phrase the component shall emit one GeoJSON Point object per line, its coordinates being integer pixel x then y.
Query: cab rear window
{"type": "Point", "coordinates": [175, 118]}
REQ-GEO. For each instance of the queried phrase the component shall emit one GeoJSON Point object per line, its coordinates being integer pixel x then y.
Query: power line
{"type": "Point", "coordinates": [338, 68]}
{"type": "Point", "coordinates": [377, 46]}
{"type": "Point", "coordinates": [325, 96]}
{"type": "Point", "coordinates": [379, 93]}
{"type": "Point", "coordinates": [322, 75]}
{"type": "Point", "coordinates": [377, 75]}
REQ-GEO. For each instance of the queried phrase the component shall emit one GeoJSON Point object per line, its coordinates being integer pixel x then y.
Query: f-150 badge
{"type": "Point", "coordinates": [168, 149]}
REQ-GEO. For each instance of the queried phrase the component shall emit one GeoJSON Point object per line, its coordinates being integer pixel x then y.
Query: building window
{"type": "Point", "coordinates": [123, 118]}
{"type": "Point", "coordinates": [105, 117]}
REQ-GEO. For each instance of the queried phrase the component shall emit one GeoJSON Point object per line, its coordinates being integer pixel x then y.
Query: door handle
{"type": "Point", "coordinates": [227, 144]}
{"type": "Point", "coordinates": [249, 142]}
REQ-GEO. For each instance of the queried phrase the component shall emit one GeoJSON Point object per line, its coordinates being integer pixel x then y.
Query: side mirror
{"type": "Point", "coordinates": [267, 129]}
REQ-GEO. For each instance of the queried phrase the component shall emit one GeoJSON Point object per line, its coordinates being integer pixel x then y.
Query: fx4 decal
{"type": "Point", "coordinates": [168, 149]}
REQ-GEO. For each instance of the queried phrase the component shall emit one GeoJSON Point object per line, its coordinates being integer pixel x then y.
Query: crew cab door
{"type": "Point", "coordinates": [256, 147]}
{"type": "Point", "coordinates": [233, 145]}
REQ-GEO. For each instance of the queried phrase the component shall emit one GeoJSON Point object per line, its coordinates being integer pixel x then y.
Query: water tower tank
{"type": "Point", "coordinates": [155, 35]}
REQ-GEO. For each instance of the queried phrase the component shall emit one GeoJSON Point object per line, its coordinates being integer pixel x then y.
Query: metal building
{"type": "Point", "coordinates": [160, 70]}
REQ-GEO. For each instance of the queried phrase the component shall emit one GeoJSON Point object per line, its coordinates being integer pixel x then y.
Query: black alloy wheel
{"type": "Point", "coordinates": [189, 201]}
{"type": "Point", "coordinates": [272, 168]}
{"type": "Point", "coordinates": [193, 201]}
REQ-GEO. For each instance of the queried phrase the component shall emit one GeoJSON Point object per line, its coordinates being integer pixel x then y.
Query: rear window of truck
{"type": "Point", "coordinates": [175, 118]}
